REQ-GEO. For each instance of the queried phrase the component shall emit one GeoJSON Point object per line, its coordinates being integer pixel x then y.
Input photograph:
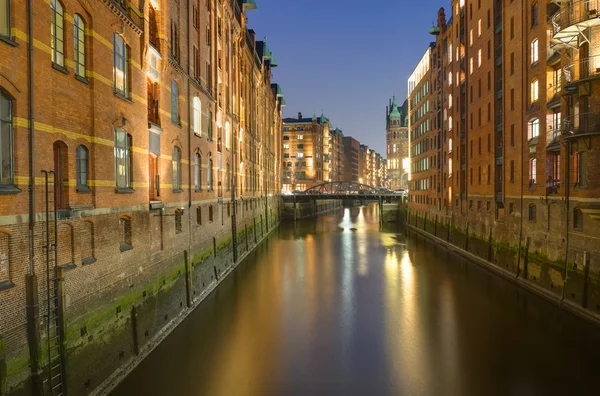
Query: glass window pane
{"type": "Point", "coordinates": [5, 18]}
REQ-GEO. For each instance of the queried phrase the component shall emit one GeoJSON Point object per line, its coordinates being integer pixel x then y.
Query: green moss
{"type": "Point", "coordinates": [15, 366]}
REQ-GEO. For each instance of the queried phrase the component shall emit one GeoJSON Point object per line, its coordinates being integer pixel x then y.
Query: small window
{"type": "Point", "coordinates": [577, 219]}
{"type": "Point", "coordinates": [534, 128]}
{"type": "Point", "coordinates": [4, 259]}
{"type": "Point", "coordinates": [122, 158]}
{"type": "Point", "coordinates": [197, 116]}
{"type": "Point", "coordinates": [174, 102]}
{"type": "Point", "coordinates": [81, 171]}
{"type": "Point", "coordinates": [532, 171]}
{"type": "Point", "coordinates": [227, 135]}
{"type": "Point", "coordinates": [535, 51]}
{"type": "Point", "coordinates": [534, 14]}
{"type": "Point", "coordinates": [199, 215]}
{"type": "Point", "coordinates": [126, 233]}
{"type": "Point", "coordinates": [121, 66]}
{"type": "Point", "coordinates": [209, 171]}
{"type": "Point", "coordinates": [535, 90]}
{"type": "Point", "coordinates": [532, 213]}
{"type": "Point", "coordinates": [5, 28]}
{"type": "Point", "coordinates": [197, 172]}
{"type": "Point", "coordinates": [176, 169]}
{"type": "Point", "coordinates": [511, 209]}
{"type": "Point", "coordinates": [210, 213]}
{"type": "Point", "coordinates": [57, 33]}
{"type": "Point", "coordinates": [6, 140]}
{"type": "Point", "coordinates": [286, 138]}
{"type": "Point", "coordinates": [178, 222]}
{"type": "Point", "coordinates": [227, 178]}
{"type": "Point", "coordinates": [79, 45]}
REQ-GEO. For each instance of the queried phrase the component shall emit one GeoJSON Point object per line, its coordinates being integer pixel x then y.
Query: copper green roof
{"type": "Point", "coordinates": [249, 4]}
{"type": "Point", "coordinates": [395, 113]}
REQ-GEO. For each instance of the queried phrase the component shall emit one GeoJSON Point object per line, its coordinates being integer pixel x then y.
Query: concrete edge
{"type": "Point", "coordinates": [109, 384]}
{"type": "Point", "coordinates": [568, 306]}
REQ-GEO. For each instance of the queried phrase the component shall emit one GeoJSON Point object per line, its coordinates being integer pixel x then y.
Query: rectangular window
{"type": "Point", "coordinates": [512, 135]}
{"type": "Point", "coordinates": [512, 63]}
{"type": "Point", "coordinates": [174, 41]}
{"type": "Point", "coordinates": [489, 174]}
{"type": "Point", "coordinates": [196, 60]}
{"type": "Point", "coordinates": [532, 171]}
{"type": "Point", "coordinates": [535, 51]}
{"type": "Point", "coordinates": [512, 171]}
{"type": "Point", "coordinates": [79, 38]}
{"type": "Point", "coordinates": [535, 90]}
{"type": "Point", "coordinates": [512, 98]}
{"type": "Point", "coordinates": [534, 15]}
{"type": "Point", "coordinates": [57, 33]}
{"type": "Point", "coordinates": [5, 18]}
{"type": "Point", "coordinates": [6, 140]}
{"type": "Point", "coordinates": [121, 66]}
{"type": "Point", "coordinates": [122, 158]}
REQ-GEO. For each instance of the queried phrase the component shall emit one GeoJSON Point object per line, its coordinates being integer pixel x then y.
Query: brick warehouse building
{"type": "Point", "coordinates": [162, 126]}
{"type": "Point", "coordinates": [513, 143]}
{"type": "Point", "coordinates": [397, 143]}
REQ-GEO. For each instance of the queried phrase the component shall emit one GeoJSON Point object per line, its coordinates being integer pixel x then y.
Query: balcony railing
{"type": "Point", "coordinates": [579, 12]}
{"type": "Point", "coordinates": [582, 69]}
{"type": "Point", "coordinates": [581, 124]}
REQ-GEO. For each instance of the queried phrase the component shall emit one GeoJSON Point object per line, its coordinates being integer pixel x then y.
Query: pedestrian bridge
{"type": "Point", "coordinates": [343, 190]}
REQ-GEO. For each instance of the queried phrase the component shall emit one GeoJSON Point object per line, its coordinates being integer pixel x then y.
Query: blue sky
{"type": "Point", "coordinates": [345, 57]}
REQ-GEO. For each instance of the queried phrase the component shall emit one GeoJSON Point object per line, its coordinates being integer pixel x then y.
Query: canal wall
{"type": "Point", "coordinates": [118, 301]}
{"type": "Point", "coordinates": [573, 285]}
{"type": "Point", "coordinates": [310, 209]}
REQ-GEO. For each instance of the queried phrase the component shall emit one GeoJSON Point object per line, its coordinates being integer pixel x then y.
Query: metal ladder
{"type": "Point", "coordinates": [54, 381]}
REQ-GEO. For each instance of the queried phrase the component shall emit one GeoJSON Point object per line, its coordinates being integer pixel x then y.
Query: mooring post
{"type": "Point", "coordinates": [294, 208]}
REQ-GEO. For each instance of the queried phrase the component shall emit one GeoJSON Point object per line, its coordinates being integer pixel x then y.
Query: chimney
{"type": "Point", "coordinates": [299, 116]}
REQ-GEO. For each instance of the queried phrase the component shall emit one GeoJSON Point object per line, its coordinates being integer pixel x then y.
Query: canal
{"type": "Point", "coordinates": [334, 306]}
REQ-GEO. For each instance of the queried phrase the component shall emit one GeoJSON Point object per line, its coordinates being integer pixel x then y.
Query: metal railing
{"type": "Point", "coordinates": [574, 13]}
{"type": "Point", "coordinates": [582, 68]}
{"type": "Point", "coordinates": [583, 123]}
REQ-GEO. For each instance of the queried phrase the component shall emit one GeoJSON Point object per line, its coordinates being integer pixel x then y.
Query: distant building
{"type": "Point", "coordinates": [397, 144]}
{"type": "Point", "coordinates": [303, 152]}
{"type": "Point", "coordinates": [351, 159]}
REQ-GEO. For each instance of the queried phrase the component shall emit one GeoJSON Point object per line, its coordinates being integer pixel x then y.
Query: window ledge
{"type": "Point", "coordinates": [9, 41]}
{"type": "Point", "coordinates": [6, 285]}
{"type": "Point", "coordinates": [82, 79]}
{"type": "Point", "coordinates": [198, 190]}
{"type": "Point", "coordinates": [579, 187]}
{"type": "Point", "coordinates": [124, 190]}
{"type": "Point", "coordinates": [123, 97]}
{"type": "Point", "coordinates": [83, 190]}
{"type": "Point", "coordinates": [177, 124]}
{"type": "Point", "coordinates": [60, 68]}
{"type": "Point", "coordinates": [9, 189]}
{"type": "Point", "coordinates": [68, 266]}
{"type": "Point", "coordinates": [177, 190]}
{"type": "Point", "coordinates": [88, 260]}
{"type": "Point", "coordinates": [124, 247]}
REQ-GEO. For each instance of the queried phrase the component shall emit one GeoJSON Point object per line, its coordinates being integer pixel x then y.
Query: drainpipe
{"type": "Point", "coordinates": [524, 87]}
{"type": "Point", "coordinates": [31, 291]}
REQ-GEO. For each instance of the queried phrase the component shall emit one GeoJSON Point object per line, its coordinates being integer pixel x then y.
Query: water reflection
{"type": "Point", "coordinates": [338, 307]}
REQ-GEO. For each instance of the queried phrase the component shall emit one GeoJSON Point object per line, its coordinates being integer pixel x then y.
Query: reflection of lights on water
{"type": "Point", "coordinates": [407, 271]}
{"type": "Point", "coordinates": [391, 264]}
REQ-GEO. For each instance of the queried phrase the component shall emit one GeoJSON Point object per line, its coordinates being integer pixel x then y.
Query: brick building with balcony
{"type": "Point", "coordinates": [514, 118]}
{"type": "Point", "coordinates": [160, 132]}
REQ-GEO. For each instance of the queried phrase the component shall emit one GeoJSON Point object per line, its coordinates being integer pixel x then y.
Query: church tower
{"type": "Point", "coordinates": [397, 144]}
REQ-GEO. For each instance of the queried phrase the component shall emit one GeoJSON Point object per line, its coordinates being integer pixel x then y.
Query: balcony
{"type": "Point", "coordinates": [585, 68]}
{"type": "Point", "coordinates": [552, 187]}
{"type": "Point", "coordinates": [553, 55]}
{"type": "Point", "coordinates": [573, 19]}
{"type": "Point", "coordinates": [584, 124]}
{"type": "Point", "coordinates": [553, 139]}
{"type": "Point", "coordinates": [498, 22]}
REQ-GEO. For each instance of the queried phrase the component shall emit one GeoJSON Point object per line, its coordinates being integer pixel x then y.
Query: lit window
{"type": "Point", "coordinates": [535, 90]}
{"type": "Point", "coordinates": [57, 30]}
{"type": "Point", "coordinates": [176, 169]}
{"type": "Point", "coordinates": [286, 146]}
{"type": "Point", "coordinates": [450, 101]}
{"type": "Point", "coordinates": [228, 135]}
{"type": "Point", "coordinates": [532, 170]}
{"type": "Point", "coordinates": [197, 113]}
{"type": "Point", "coordinates": [450, 79]}
{"type": "Point", "coordinates": [479, 28]}
{"type": "Point", "coordinates": [300, 137]}
{"type": "Point", "coordinates": [471, 66]}
{"type": "Point", "coordinates": [79, 38]}
{"type": "Point", "coordinates": [471, 37]}
{"type": "Point", "coordinates": [449, 167]}
{"type": "Point", "coordinates": [450, 123]}
{"type": "Point", "coordinates": [479, 58]}
{"type": "Point", "coordinates": [121, 69]}
{"type": "Point", "coordinates": [300, 155]}
{"type": "Point", "coordinates": [534, 128]}
{"type": "Point", "coordinates": [534, 51]}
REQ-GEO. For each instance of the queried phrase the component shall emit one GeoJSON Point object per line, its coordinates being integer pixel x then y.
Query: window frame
{"type": "Point", "coordinates": [55, 17]}
{"type": "Point", "coordinates": [197, 172]}
{"type": "Point", "coordinates": [82, 168]}
{"type": "Point", "coordinates": [121, 64]}
{"type": "Point", "coordinates": [79, 46]}
{"type": "Point", "coordinates": [7, 132]}
{"type": "Point", "coordinates": [535, 91]}
{"type": "Point", "coordinates": [176, 163]}
{"type": "Point", "coordinates": [175, 118]}
{"type": "Point", "coordinates": [535, 51]}
{"type": "Point", "coordinates": [197, 116]}
{"type": "Point", "coordinates": [209, 174]}
{"type": "Point", "coordinates": [125, 159]}
{"type": "Point", "coordinates": [7, 31]}
{"type": "Point", "coordinates": [534, 128]}
{"type": "Point", "coordinates": [532, 213]}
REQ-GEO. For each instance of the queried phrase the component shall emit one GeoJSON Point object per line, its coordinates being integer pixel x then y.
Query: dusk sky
{"type": "Point", "coordinates": [345, 57]}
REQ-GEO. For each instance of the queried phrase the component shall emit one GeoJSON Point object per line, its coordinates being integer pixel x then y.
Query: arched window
{"type": "Point", "coordinates": [209, 174]}
{"type": "Point", "coordinates": [535, 90]}
{"type": "Point", "coordinates": [176, 169]}
{"type": "Point", "coordinates": [534, 128]}
{"type": "Point", "coordinates": [5, 19]}
{"type": "Point", "coordinates": [197, 172]}
{"type": "Point", "coordinates": [197, 116]}
{"type": "Point", "coordinates": [174, 102]}
{"type": "Point", "coordinates": [532, 213]}
{"type": "Point", "coordinates": [121, 66]}
{"type": "Point", "coordinates": [57, 32]}
{"type": "Point", "coordinates": [81, 168]}
{"type": "Point", "coordinates": [227, 178]}
{"type": "Point", "coordinates": [79, 45]}
{"type": "Point", "coordinates": [228, 135]}
{"type": "Point", "coordinates": [577, 219]}
{"type": "Point", "coordinates": [6, 140]}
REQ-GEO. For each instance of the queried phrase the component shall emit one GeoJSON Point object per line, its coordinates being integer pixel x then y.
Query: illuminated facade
{"type": "Point", "coordinates": [397, 144]}
{"type": "Point", "coordinates": [163, 128]}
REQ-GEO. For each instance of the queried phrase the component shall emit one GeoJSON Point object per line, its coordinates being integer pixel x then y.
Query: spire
{"type": "Point", "coordinates": [314, 116]}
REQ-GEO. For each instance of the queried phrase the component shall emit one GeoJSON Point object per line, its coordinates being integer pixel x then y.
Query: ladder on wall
{"type": "Point", "coordinates": [54, 381]}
